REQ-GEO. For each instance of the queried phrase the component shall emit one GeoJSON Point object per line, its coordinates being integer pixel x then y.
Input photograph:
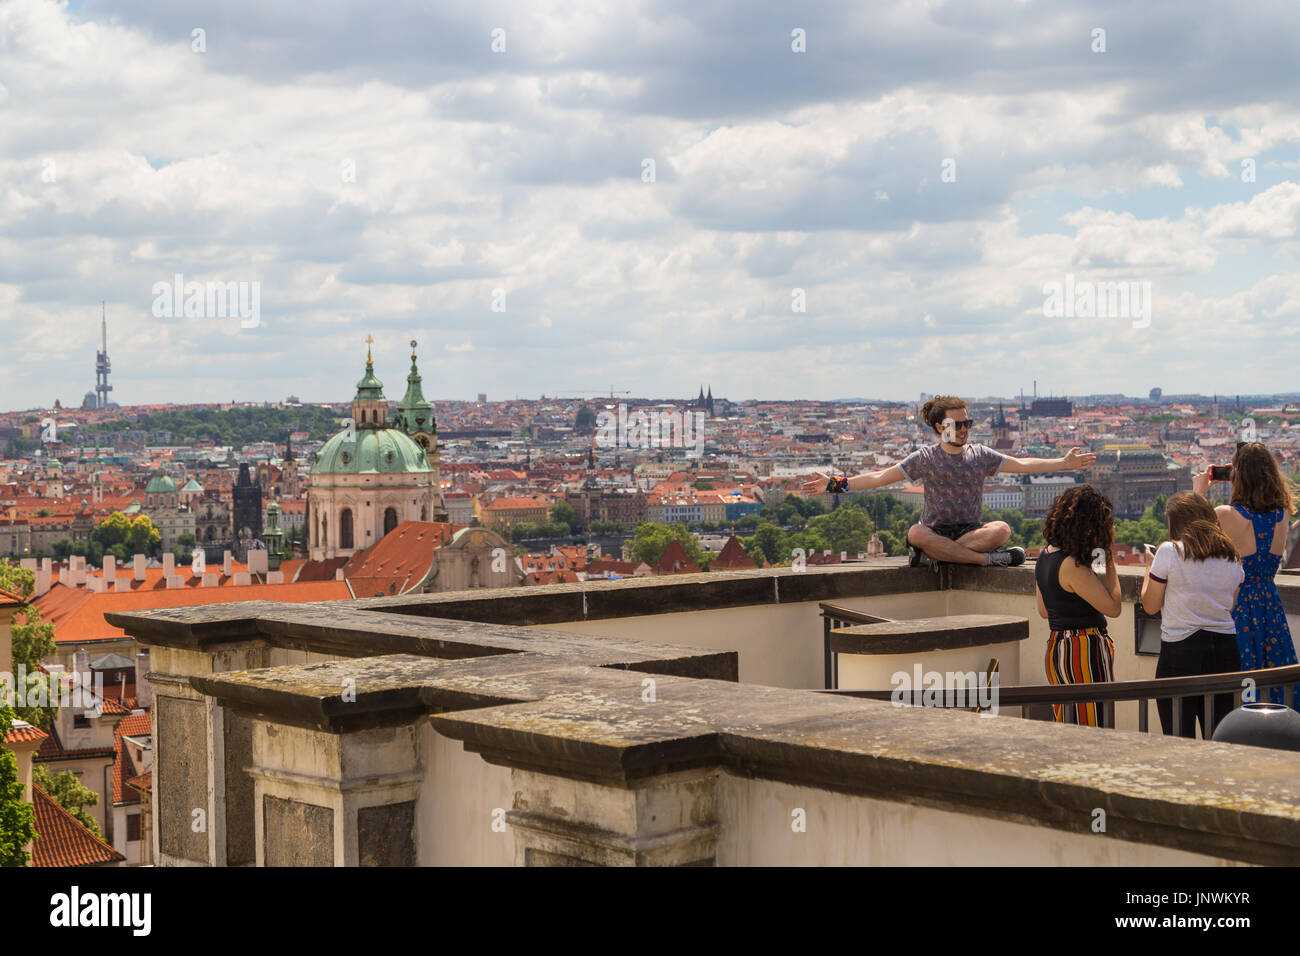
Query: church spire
{"type": "Point", "coordinates": [414, 411]}
{"type": "Point", "coordinates": [370, 407]}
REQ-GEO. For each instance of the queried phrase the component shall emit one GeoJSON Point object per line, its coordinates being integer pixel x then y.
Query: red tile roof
{"type": "Point", "coordinates": [136, 725]}
{"type": "Point", "coordinates": [78, 616]}
{"type": "Point", "coordinates": [515, 504]}
{"type": "Point", "coordinates": [400, 560]}
{"type": "Point", "coordinates": [142, 783]}
{"type": "Point", "coordinates": [675, 560]}
{"type": "Point", "coordinates": [562, 576]}
{"type": "Point", "coordinates": [308, 571]}
{"type": "Point", "coordinates": [52, 749]}
{"type": "Point", "coordinates": [63, 840]}
{"type": "Point", "coordinates": [25, 735]}
{"type": "Point", "coordinates": [732, 555]}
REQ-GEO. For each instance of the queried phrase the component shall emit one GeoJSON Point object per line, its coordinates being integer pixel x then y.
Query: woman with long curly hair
{"type": "Point", "coordinates": [1080, 534]}
{"type": "Point", "coordinates": [1255, 521]}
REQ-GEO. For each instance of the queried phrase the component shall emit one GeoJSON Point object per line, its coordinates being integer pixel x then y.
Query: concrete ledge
{"type": "Point", "coordinates": [596, 600]}
{"type": "Point", "coordinates": [345, 630]}
{"type": "Point", "coordinates": [929, 634]}
{"type": "Point", "coordinates": [560, 718]}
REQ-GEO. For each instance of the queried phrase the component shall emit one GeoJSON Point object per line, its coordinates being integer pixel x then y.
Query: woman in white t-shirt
{"type": "Point", "coordinates": [1192, 583]}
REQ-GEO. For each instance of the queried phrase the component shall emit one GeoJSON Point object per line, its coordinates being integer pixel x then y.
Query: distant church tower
{"type": "Point", "coordinates": [1001, 430]}
{"type": "Point", "coordinates": [246, 511]}
{"type": "Point", "coordinates": [415, 417]}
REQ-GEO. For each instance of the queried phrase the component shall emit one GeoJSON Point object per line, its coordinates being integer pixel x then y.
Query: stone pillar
{"type": "Point", "coordinates": [669, 820]}
{"type": "Point", "coordinates": [201, 753]}
{"type": "Point", "coordinates": [335, 799]}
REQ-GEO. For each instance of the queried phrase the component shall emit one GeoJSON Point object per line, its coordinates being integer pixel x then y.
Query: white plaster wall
{"type": "Point", "coordinates": [756, 817]}
{"type": "Point", "coordinates": [779, 644]}
{"type": "Point", "coordinates": [875, 671]}
{"type": "Point", "coordinates": [455, 810]}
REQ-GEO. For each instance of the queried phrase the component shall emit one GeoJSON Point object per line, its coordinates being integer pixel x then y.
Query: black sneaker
{"type": "Point", "coordinates": [1010, 558]}
{"type": "Point", "coordinates": [916, 558]}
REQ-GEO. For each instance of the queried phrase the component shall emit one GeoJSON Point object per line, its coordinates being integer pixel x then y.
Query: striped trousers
{"type": "Point", "coordinates": [1079, 657]}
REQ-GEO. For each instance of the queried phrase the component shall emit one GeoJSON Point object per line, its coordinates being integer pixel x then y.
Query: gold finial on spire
{"type": "Point", "coordinates": [412, 350]}
{"type": "Point", "coordinates": [369, 340]}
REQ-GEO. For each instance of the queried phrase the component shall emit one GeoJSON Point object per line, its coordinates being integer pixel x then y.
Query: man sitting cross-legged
{"type": "Point", "coordinates": [953, 473]}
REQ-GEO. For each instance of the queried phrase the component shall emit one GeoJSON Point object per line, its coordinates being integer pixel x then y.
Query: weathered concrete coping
{"type": "Point", "coordinates": [920, 635]}
{"type": "Point", "coordinates": [344, 630]}
{"type": "Point", "coordinates": [595, 600]}
{"type": "Point", "coordinates": [562, 718]}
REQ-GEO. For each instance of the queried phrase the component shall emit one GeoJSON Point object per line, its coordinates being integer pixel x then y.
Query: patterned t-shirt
{"type": "Point", "coordinates": [954, 484]}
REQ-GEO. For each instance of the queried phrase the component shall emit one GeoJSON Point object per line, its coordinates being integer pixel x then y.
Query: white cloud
{"type": "Point", "coordinates": [377, 176]}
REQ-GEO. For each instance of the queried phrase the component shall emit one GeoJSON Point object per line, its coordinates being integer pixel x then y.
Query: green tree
{"type": "Point", "coordinates": [186, 542]}
{"type": "Point", "coordinates": [69, 793]}
{"type": "Point", "coordinates": [844, 529]}
{"type": "Point", "coordinates": [124, 537]}
{"type": "Point", "coordinates": [770, 542]}
{"type": "Point", "coordinates": [17, 580]}
{"type": "Point", "coordinates": [562, 513]}
{"type": "Point", "coordinates": [64, 549]}
{"type": "Point", "coordinates": [651, 540]}
{"type": "Point", "coordinates": [17, 819]}
{"type": "Point", "coordinates": [810, 541]}
{"type": "Point", "coordinates": [893, 545]}
{"type": "Point", "coordinates": [32, 639]}
{"type": "Point", "coordinates": [606, 527]}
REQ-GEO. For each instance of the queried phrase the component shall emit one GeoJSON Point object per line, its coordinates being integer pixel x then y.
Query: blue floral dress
{"type": "Point", "coordinates": [1263, 636]}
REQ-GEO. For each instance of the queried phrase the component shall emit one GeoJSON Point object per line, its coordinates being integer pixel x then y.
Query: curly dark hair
{"type": "Point", "coordinates": [1080, 521]}
{"type": "Point", "coordinates": [933, 411]}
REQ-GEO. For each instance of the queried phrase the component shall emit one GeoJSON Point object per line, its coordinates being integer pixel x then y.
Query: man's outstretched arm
{"type": "Point", "coordinates": [862, 482]}
{"type": "Point", "coordinates": [1074, 459]}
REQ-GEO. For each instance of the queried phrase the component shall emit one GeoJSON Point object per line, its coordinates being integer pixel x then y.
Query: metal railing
{"type": "Point", "coordinates": [1106, 695]}
{"type": "Point", "coordinates": [834, 616]}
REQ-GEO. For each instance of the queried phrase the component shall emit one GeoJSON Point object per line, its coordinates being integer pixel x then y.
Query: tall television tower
{"type": "Point", "coordinates": [102, 366]}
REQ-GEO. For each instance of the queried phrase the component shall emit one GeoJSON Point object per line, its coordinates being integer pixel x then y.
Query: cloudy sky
{"type": "Point", "coordinates": [920, 170]}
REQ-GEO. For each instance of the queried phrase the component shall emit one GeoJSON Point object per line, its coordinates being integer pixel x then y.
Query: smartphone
{"type": "Point", "coordinates": [1220, 473]}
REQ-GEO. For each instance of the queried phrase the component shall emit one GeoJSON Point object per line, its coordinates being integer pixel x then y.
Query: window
{"type": "Point", "coordinates": [345, 528]}
{"type": "Point", "coordinates": [80, 722]}
{"type": "Point", "coordinates": [390, 519]}
{"type": "Point", "coordinates": [132, 827]}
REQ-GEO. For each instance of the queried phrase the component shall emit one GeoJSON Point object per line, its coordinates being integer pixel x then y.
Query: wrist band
{"type": "Point", "coordinates": [836, 485]}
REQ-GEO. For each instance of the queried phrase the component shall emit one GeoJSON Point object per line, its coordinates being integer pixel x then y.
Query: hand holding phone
{"type": "Point", "coordinates": [1220, 473]}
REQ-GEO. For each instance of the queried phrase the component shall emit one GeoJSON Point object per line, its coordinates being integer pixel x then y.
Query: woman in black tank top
{"type": "Point", "coordinates": [1080, 530]}
{"type": "Point", "coordinates": [1066, 611]}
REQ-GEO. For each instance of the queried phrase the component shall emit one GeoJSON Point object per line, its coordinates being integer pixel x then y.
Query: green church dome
{"type": "Point", "coordinates": [375, 451]}
{"type": "Point", "coordinates": [160, 484]}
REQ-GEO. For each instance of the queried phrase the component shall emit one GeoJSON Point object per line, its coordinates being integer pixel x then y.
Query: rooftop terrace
{"type": "Point", "coordinates": [672, 720]}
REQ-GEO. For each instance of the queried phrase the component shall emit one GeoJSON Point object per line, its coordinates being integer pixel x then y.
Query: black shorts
{"type": "Point", "coordinates": [954, 531]}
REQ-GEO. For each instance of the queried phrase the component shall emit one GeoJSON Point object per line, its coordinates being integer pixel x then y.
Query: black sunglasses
{"type": "Point", "coordinates": [963, 424]}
